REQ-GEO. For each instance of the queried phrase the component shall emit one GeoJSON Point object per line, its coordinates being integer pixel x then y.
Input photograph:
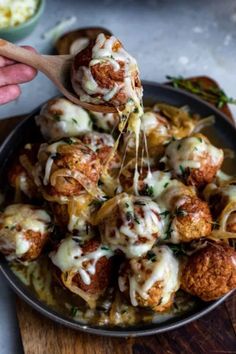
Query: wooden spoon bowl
{"type": "Point", "coordinates": [56, 67]}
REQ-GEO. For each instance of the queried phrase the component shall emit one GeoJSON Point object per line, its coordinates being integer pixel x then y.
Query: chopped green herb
{"type": "Point", "coordinates": [105, 248]}
{"type": "Point", "coordinates": [77, 240]}
{"type": "Point", "coordinates": [165, 213]}
{"type": "Point", "coordinates": [166, 184]}
{"type": "Point", "coordinates": [126, 205]}
{"type": "Point", "coordinates": [136, 110]}
{"type": "Point", "coordinates": [180, 212]}
{"type": "Point", "coordinates": [177, 249]}
{"type": "Point", "coordinates": [149, 191]}
{"type": "Point", "coordinates": [129, 215]}
{"type": "Point", "coordinates": [168, 231]}
{"type": "Point", "coordinates": [68, 141]}
{"type": "Point", "coordinates": [73, 311]}
{"type": "Point", "coordinates": [74, 120]}
{"type": "Point", "coordinates": [139, 203]}
{"type": "Point", "coordinates": [214, 95]}
{"type": "Point", "coordinates": [199, 139]}
{"type": "Point", "coordinates": [136, 219]}
{"type": "Point", "coordinates": [182, 170]}
{"type": "Point", "coordinates": [57, 117]}
{"type": "Point", "coordinates": [151, 256]}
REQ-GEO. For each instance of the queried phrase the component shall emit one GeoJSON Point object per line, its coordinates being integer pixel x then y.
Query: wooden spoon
{"type": "Point", "coordinates": [55, 67]}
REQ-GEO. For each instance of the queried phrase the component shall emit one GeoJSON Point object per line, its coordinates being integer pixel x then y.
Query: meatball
{"type": "Point", "coordinates": [102, 144]}
{"type": "Point", "coordinates": [67, 168]}
{"type": "Point", "coordinates": [24, 229]}
{"type": "Point", "coordinates": [194, 160]}
{"type": "Point", "coordinates": [20, 174]}
{"type": "Point", "coordinates": [190, 220]}
{"type": "Point", "coordinates": [60, 118]}
{"type": "Point", "coordinates": [104, 73]}
{"type": "Point", "coordinates": [210, 272]}
{"type": "Point", "coordinates": [130, 224]}
{"type": "Point", "coordinates": [186, 216]}
{"type": "Point", "coordinates": [85, 268]}
{"type": "Point", "coordinates": [151, 281]}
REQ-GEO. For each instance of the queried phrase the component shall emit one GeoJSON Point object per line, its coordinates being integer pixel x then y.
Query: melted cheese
{"type": "Point", "coordinates": [140, 224]}
{"type": "Point", "coordinates": [158, 181]}
{"type": "Point", "coordinates": [15, 221]}
{"type": "Point", "coordinates": [191, 152]}
{"type": "Point", "coordinates": [105, 121]}
{"type": "Point", "coordinates": [145, 273]}
{"type": "Point", "coordinates": [70, 257]}
{"type": "Point", "coordinates": [61, 118]}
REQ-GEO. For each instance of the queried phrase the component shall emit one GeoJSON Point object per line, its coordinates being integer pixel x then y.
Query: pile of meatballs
{"type": "Point", "coordinates": [144, 220]}
{"type": "Point", "coordinates": [153, 243]}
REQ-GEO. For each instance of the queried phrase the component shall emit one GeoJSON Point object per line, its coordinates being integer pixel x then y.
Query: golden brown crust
{"type": "Point", "coordinates": [101, 278]}
{"type": "Point", "coordinates": [193, 219]}
{"type": "Point", "coordinates": [75, 157]}
{"type": "Point", "coordinates": [210, 272]}
{"type": "Point", "coordinates": [204, 175]}
{"type": "Point", "coordinates": [37, 242]}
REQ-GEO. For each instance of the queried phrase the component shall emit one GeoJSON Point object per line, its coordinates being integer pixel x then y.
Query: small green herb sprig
{"type": "Point", "coordinates": [214, 95]}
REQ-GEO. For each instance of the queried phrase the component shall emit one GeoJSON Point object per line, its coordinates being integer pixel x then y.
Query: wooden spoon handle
{"type": "Point", "coordinates": [22, 55]}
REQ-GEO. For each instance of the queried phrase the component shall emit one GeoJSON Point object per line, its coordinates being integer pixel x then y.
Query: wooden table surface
{"type": "Point", "coordinates": [212, 334]}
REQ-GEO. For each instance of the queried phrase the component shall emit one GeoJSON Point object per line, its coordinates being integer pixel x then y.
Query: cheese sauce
{"type": "Point", "coordinates": [16, 220]}
{"type": "Point", "coordinates": [190, 153]}
{"type": "Point", "coordinates": [60, 118]}
{"type": "Point", "coordinates": [70, 257]}
{"type": "Point", "coordinates": [163, 269]}
{"type": "Point", "coordinates": [136, 228]}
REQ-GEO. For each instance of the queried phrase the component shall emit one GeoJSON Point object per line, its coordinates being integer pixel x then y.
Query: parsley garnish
{"type": "Point", "coordinates": [126, 205]}
{"type": "Point", "coordinates": [105, 248]}
{"type": "Point", "coordinates": [199, 139]}
{"type": "Point", "coordinates": [165, 213]}
{"type": "Point", "coordinates": [57, 117]}
{"type": "Point", "coordinates": [73, 311]}
{"type": "Point", "coordinates": [136, 219]}
{"type": "Point", "coordinates": [136, 110]}
{"type": "Point", "coordinates": [180, 212]}
{"type": "Point", "coordinates": [139, 203]}
{"type": "Point", "coordinates": [74, 120]}
{"type": "Point", "coordinates": [166, 184]}
{"type": "Point", "coordinates": [149, 191]}
{"type": "Point", "coordinates": [151, 256]}
{"type": "Point", "coordinates": [68, 141]}
{"type": "Point", "coordinates": [182, 170]}
{"type": "Point", "coordinates": [214, 95]}
{"type": "Point", "coordinates": [129, 215]}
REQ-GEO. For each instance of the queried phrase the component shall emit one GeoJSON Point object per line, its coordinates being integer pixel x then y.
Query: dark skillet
{"type": "Point", "coordinates": [223, 134]}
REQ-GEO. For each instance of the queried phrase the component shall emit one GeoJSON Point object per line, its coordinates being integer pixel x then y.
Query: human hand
{"type": "Point", "coordinates": [11, 75]}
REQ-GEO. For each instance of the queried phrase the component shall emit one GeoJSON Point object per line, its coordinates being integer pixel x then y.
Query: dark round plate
{"type": "Point", "coordinates": [223, 134]}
